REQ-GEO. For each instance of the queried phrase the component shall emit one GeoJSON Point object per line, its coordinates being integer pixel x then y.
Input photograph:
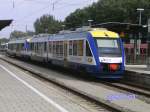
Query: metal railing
{"type": "Point", "coordinates": [140, 58]}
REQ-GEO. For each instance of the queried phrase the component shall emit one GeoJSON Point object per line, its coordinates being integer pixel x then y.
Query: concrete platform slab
{"type": "Point", "coordinates": [20, 92]}
{"type": "Point", "coordinates": [127, 102]}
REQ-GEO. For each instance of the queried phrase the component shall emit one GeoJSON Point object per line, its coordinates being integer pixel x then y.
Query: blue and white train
{"type": "Point", "coordinates": [97, 51]}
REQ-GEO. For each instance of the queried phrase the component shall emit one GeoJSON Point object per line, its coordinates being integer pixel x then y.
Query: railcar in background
{"type": "Point", "coordinates": [15, 47]}
{"type": "Point", "coordinates": [97, 51]}
{"type": "Point", "coordinates": [38, 48]}
{"type": "Point", "coordinates": [3, 47]}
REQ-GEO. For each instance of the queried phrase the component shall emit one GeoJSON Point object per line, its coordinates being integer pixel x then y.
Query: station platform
{"type": "Point", "coordinates": [21, 92]}
{"type": "Point", "coordinates": [127, 102]}
{"type": "Point", "coordinates": [138, 68]}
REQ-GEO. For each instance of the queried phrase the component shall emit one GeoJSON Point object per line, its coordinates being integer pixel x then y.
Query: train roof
{"type": "Point", "coordinates": [80, 33]}
{"type": "Point", "coordinates": [40, 38]}
{"type": "Point", "coordinates": [17, 41]}
{"type": "Point", "coordinates": [20, 40]}
{"type": "Point", "coordinates": [103, 33]}
{"type": "Point", "coordinates": [72, 35]}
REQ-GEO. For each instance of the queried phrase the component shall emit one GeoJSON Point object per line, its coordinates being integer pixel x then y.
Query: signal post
{"type": "Point", "coordinates": [148, 58]}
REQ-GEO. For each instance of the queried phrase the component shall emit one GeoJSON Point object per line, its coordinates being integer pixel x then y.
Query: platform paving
{"type": "Point", "coordinates": [20, 92]}
{"type": "Point", "coordinates": [126, 101]}
{"type": "Point", "coordinates": [139, 74]}
{"type": "Point", "coordinates": [138, 68]}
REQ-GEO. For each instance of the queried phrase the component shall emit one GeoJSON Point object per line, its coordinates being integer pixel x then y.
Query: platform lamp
{"type": "Point", "coordinates": [63, 27]}
{"type": "Point", "coordinates": [140, 10]}
{"type": "Point", "coordinates": [90, 22]}
{"type": "Point", "coordinates": [148, 42]}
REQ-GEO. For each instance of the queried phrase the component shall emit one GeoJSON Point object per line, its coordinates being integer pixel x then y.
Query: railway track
{"type": "Point", "coordinates": [123, 85]}
{"type": "Point", "coordinates": [118, 85]}
{"type": "Point", "coordinates": [129, 88]}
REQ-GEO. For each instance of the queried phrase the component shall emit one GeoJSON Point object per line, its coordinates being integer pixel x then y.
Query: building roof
{"type": "Point", "coordinates": [4, 23]}
{"type": "Point", "coordinates": [119, 27]}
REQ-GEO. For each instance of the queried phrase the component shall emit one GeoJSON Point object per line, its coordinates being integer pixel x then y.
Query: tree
{"type": "Point", "coordinates": [47, 24]}
{"type": "Point", "coordinates": [17, 34]}
{"type": "Point", "coordinates": [3, 40]}
{"type": "Point", "coordinates": [20, 34]}
{"type": "Point", "coordinates": [110, 11]}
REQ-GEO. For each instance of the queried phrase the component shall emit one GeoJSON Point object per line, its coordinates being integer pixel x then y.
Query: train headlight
{"type": "Point", "coordinates": [113, 67]}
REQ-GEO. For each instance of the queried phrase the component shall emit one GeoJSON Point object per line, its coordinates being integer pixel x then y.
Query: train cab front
{"type": "Point", "coordinates": [111, 57]}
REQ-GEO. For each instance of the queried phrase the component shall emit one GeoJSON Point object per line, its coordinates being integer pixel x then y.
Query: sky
{"type": "Point", "coordinates": [25, 12]}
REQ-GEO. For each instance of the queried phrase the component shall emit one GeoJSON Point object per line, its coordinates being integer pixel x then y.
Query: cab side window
{"type": "Point", "coordinates": [75, 48]}
{"type": "Point", "coordinates": [88, 51]}
{"type": "Point", "coordinates": [70, 47]}
{"type": "Point", "coordinates": [80, 48]}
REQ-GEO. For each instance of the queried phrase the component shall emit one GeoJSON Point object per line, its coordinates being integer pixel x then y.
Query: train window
{"type": "Point", "coordinates": [34, 47]}
{"type": "Point", "coordinates": [14, 47]}
{"type": "Point", "coordinates": [57, 48]}
{"type": "Point", "coordinates": [19, 46]}
{"type": "Point", "coordinates": [22, 46]}
{"type": "Point", "coordinates": [37, 47]}
{"type": "Point", "coordinates": [108, 47]}
{"type": "Point", "coordinates": [107, 43]}
{"type": "Point", "coordinates": [75, 47]}
{"type": "Point", "coordinates": [61, 48]}
{"type": "Point", "coordinates": [10, 46]}
{"type": "Point", "coordinates": [88, 51]}
{"type": "Point", "coordinates": [80, 48]}
{"type": "Point", "coordinates": [31, 46]}
{"type": "Point", "coordinates": [45, 46]}
{"type": "Point", "coordinates": [50, 47]}
{"type": "Point", "coordinates": [70, 47]}
{"type": "Point", "coordinates": [54, 48]}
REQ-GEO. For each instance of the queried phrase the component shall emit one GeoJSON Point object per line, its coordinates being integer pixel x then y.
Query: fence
{"type": "Point", "coordinates": [139, 58]}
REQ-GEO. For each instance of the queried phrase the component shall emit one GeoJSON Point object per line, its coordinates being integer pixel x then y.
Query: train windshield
{"type": "Point", "coordinates": [108, 47]}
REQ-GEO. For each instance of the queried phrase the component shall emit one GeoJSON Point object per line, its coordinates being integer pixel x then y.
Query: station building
{"type": "Point", "coordinates": [135, 38]}
{"type": "Point", "coordinates": [3, 24]}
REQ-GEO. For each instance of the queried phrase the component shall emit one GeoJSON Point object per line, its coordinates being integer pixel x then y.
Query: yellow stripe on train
{"type": "Point", "coordinates": [99, 33]}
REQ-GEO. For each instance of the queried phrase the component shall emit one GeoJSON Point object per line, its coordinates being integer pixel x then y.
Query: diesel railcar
{"type": "Point", "coordinates": [97, 51]}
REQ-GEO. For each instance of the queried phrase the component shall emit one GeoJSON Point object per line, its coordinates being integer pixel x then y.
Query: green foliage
{"type": "Point", "coordinates": [3, 40]}
{"type": "Point", "coordinates": [20, 34]}
{"type": "Point", "coordinates": [47, 24]}
{"type": "Point", "coordinates": [110, 11]}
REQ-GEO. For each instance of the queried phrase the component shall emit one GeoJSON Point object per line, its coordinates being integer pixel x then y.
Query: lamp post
{"type": "Point", "coordinates": [148, 42]}
{"type": "Point", "coordinates": [63, 27]}
{"type": "Point", "coordinates": [140, 11]}
{"type": "Point", "coordinates": [90, 22]}
{"type": "Point", "coordinates": [137, 49]}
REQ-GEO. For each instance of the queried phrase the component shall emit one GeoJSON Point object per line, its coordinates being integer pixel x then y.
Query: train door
{"type": "Point", "coordinates": [65, 53]}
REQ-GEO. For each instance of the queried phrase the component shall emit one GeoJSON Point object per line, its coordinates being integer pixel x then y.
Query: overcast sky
{"type": "Point", "coordinates": [25, 12]}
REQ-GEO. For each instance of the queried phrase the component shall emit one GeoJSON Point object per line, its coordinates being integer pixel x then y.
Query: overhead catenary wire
{"type": "Point", "coordinates": [52, 4]}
